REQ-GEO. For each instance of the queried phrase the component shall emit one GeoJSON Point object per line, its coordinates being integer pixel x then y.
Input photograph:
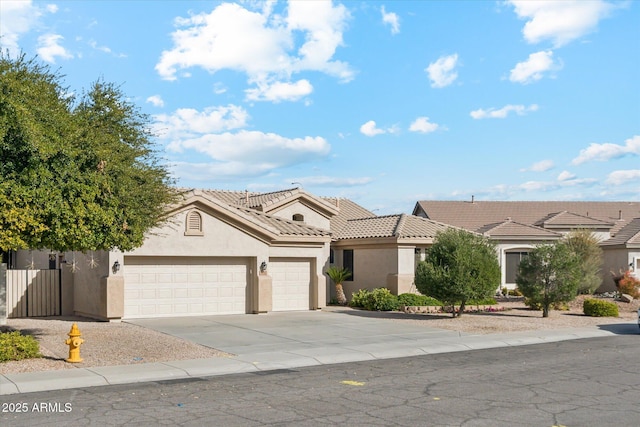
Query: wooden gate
{"type": "Point", "coordinates": [33, 293]}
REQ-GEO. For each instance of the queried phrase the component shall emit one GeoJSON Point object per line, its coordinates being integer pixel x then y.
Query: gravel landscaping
{"type": "Point", "coordinates": [124, 343]}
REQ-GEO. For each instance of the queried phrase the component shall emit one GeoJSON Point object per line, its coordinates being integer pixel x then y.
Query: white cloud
{"type": "Point", "coordinates": [280, 91]}
{"type": "Point", "coordinates": [503, 112]}
{"type": "Point", "coordinates": [534, 67]}
{"type": "Point", "coordinates": [423, 125]}
{"type": "Point", "coordinates": [232, 154]}
{"type": "Point", "coordinates": [370, 129]}
{"type": "Point", "coordinates": [187, 123]}
{"type": "Point", "coordinates": [623, 176]}
{"type": "Point", "coordinates": [565, 176]}
{"type": "Point", "coordinates": [156, 101]}
{"type": "Point", "coordinates": [541, 166]}
{"type": "Point", "coordinates": [16, 19]}
{"type": "Point", "coordinates": [559, 21]}
{"type": "Point", "coordinates": [262, 45]}
{"type": "Point", "coordinates": [333, 181]}
{"type": "Point", "coordinates": [608, 151]}
{"type": "Point", "coordinates": [245, 151]}
{"type": "Point", "coordinates": [391, 19]}
{"type": "Point", "coordinates": [49, 48]}
{"type": "Point", "coordinates": [441, 73]}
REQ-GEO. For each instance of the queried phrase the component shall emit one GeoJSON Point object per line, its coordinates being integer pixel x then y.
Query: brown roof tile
{"type": "Point", "coordinates": [399, 226]}
{"type": "Point", "coordinates": [511, 229]}
{"type": "Point", "coordinates": [570, 219]}
{"type": "Point", "coordinates": [629, 235]}
{"type": "Point", "coordinates": [473, 215]}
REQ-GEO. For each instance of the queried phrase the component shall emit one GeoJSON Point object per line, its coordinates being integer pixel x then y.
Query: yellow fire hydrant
{"type": "Point", "coordinates": [74, 343]}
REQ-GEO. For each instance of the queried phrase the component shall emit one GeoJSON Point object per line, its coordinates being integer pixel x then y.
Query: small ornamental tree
{"type": "Point", "coordinates": [550, 274]}
{"type": "Point", "coordinates": [459, 266]}
{"type": "Point", "coordinates": [339, 275]}
{"type": "Point", "coordinates": [586, 246]}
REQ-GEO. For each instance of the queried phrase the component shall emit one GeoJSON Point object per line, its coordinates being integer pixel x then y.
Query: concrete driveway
{"type": "Point", "coordinates": [331, 336]}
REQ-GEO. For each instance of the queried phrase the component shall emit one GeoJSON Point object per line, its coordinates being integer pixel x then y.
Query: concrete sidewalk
{"type": "Point", "coordinates": [287, 341]}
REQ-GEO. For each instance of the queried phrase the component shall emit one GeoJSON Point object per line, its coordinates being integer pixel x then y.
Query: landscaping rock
{"type": "Point", "coordinates": [626, 298]}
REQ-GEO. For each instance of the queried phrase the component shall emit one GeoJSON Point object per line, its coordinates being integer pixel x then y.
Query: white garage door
{"type": "Point", "coordinates": [291, 284]}
{"type": "Point", "coordinates": [166, 286]}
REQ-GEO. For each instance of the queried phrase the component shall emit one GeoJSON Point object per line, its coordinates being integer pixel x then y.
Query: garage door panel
{"type": "Point", "coordinates": [163, 286]}
{"type": "Point", "coordinates": [291, 284]}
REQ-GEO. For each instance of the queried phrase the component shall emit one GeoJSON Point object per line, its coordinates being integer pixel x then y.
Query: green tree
{"type": "Point", "coordinates": [77, 174]}
{"type": "Point", "coordinates": [550, 274]}
{"type": "Point", "coordinates": [459, 266]}
{"type": "Point", "coordinates": [339, 275]}
{"type": "Point", "coordinates": [586, 246]}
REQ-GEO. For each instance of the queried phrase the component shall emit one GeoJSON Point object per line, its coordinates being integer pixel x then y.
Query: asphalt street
{"type": "Point", "coordinates": [586, 382]}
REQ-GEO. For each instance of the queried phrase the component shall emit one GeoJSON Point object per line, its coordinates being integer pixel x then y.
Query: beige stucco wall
{"type": "Point", "coordinates": [371, 268]}
{"type": "Point", "coordinates": [616, 260]}
{"type": "Point", "coordinates": [218, 239]}
{"type": "Point", "coordinates": [311, 216]}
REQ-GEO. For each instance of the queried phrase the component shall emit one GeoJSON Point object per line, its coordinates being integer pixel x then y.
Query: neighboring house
{"type": "Point", "coordinates": [517, 226]}
{"type": "Point", "coordinates": [234, 252]}
{"type": "Point", "coordinates": [383, 251]}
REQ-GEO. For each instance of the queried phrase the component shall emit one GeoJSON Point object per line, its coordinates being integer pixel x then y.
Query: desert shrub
{"type": "Point", "coordinates": [629, 285]}
{"type": "Point", "coordinates": [515, 293]}
{"type": "Point", "coordinates": [599, 308]}
{"type": "Point", "coordinates": [15, 346]}
{"type": "Point", "coordinates": [417, 300]}
{"type": "Point", "coordinates": [381, 299]}
{"type": "Point", "coordinates": [358, 298]}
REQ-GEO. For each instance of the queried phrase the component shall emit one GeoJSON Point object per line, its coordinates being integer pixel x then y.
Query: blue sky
{"type": "Point", "coordinates": [386, 103]}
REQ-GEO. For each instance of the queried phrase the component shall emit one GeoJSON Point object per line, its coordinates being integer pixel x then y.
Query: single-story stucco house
{"type": "Point", "coordinates": [234, 252]}
{"type": "Point", "coordinates": [517, 226]}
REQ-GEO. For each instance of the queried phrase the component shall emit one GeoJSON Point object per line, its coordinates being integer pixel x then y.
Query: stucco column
{"type": "Point", "coordinates": [112, 297]}
{"type": "Point", "coordinates": [264, 300]}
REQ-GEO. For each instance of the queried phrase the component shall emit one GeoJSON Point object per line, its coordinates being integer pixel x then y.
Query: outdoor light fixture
{"type": "Point", "coordinates": [263, 267]}
{"type": "Point", "coordinates": [116, 267]}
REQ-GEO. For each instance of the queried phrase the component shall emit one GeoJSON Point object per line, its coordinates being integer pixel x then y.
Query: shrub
{"type": "Point", "coordinates": [14, 346]}
{"type": "Point", "coordinates": [417, 300]}
{"type": "Point", "coordinates": [381, 299]}
{"type": "Point", "coordinates": [515, 293]}
{"type": "Point", "coordinates": [629, 285]}
{"type": "Point", "coordinates": [599, 308]}
{"type": "Point", "coordinates": [358, 298]}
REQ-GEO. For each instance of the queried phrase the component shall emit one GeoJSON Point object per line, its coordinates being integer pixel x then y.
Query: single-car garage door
{"type": "Point", "coordinates": [291, 281]}
{"type": "Point", "coordinates": [189, 286]}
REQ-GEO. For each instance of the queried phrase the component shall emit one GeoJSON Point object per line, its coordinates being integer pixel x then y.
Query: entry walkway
{"type": "Point", "coordinates": [287, 341]}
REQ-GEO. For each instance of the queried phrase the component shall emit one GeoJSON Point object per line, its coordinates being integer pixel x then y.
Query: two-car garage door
{"type": "Point", "coordinates": [189, 286]}
{"type": "Point", "coordinates": [198, 286]}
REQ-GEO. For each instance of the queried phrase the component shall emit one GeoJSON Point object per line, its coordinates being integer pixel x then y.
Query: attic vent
{"type": "Point", "coordinates": [193, 224]}
{"type": "Point", "coordinates": [298, 217]}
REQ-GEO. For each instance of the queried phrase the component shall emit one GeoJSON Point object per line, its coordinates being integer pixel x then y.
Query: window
{"type": "Point", "coordinates": [331, 261]}
{"type": "Point", "coordinates": [193, 224]}
{"type": "Point", "coordinates": [298, 217]}
{"type": "Point", "coordinates": [512, 260]}
{"type": "Point", "coordinates": [347, 262]}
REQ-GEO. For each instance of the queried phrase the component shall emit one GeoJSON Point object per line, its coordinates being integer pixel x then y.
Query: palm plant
{"type": "Point", "coordinates": [339, 275]}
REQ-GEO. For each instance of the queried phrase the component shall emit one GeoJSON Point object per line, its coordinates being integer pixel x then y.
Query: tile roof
{"type": "Point", "coordinates": [399, 226]}
{"type": "Point", "coordinates": [269, 223]}
{"type": "Point", "coordinates": [629, 235]}
{"type": "Point", "coordinates": [473, 215]}
{"type": "Point", "coordinates": [263, 201]}
{"type": "Point", "coordinates": [513, 229]}
{"type": "Point", "coordinates": [348, 210]}
{"type": "Point", "coordinates": [570, 219]}
{"type": "Point", "coordinates": [284, 227]}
